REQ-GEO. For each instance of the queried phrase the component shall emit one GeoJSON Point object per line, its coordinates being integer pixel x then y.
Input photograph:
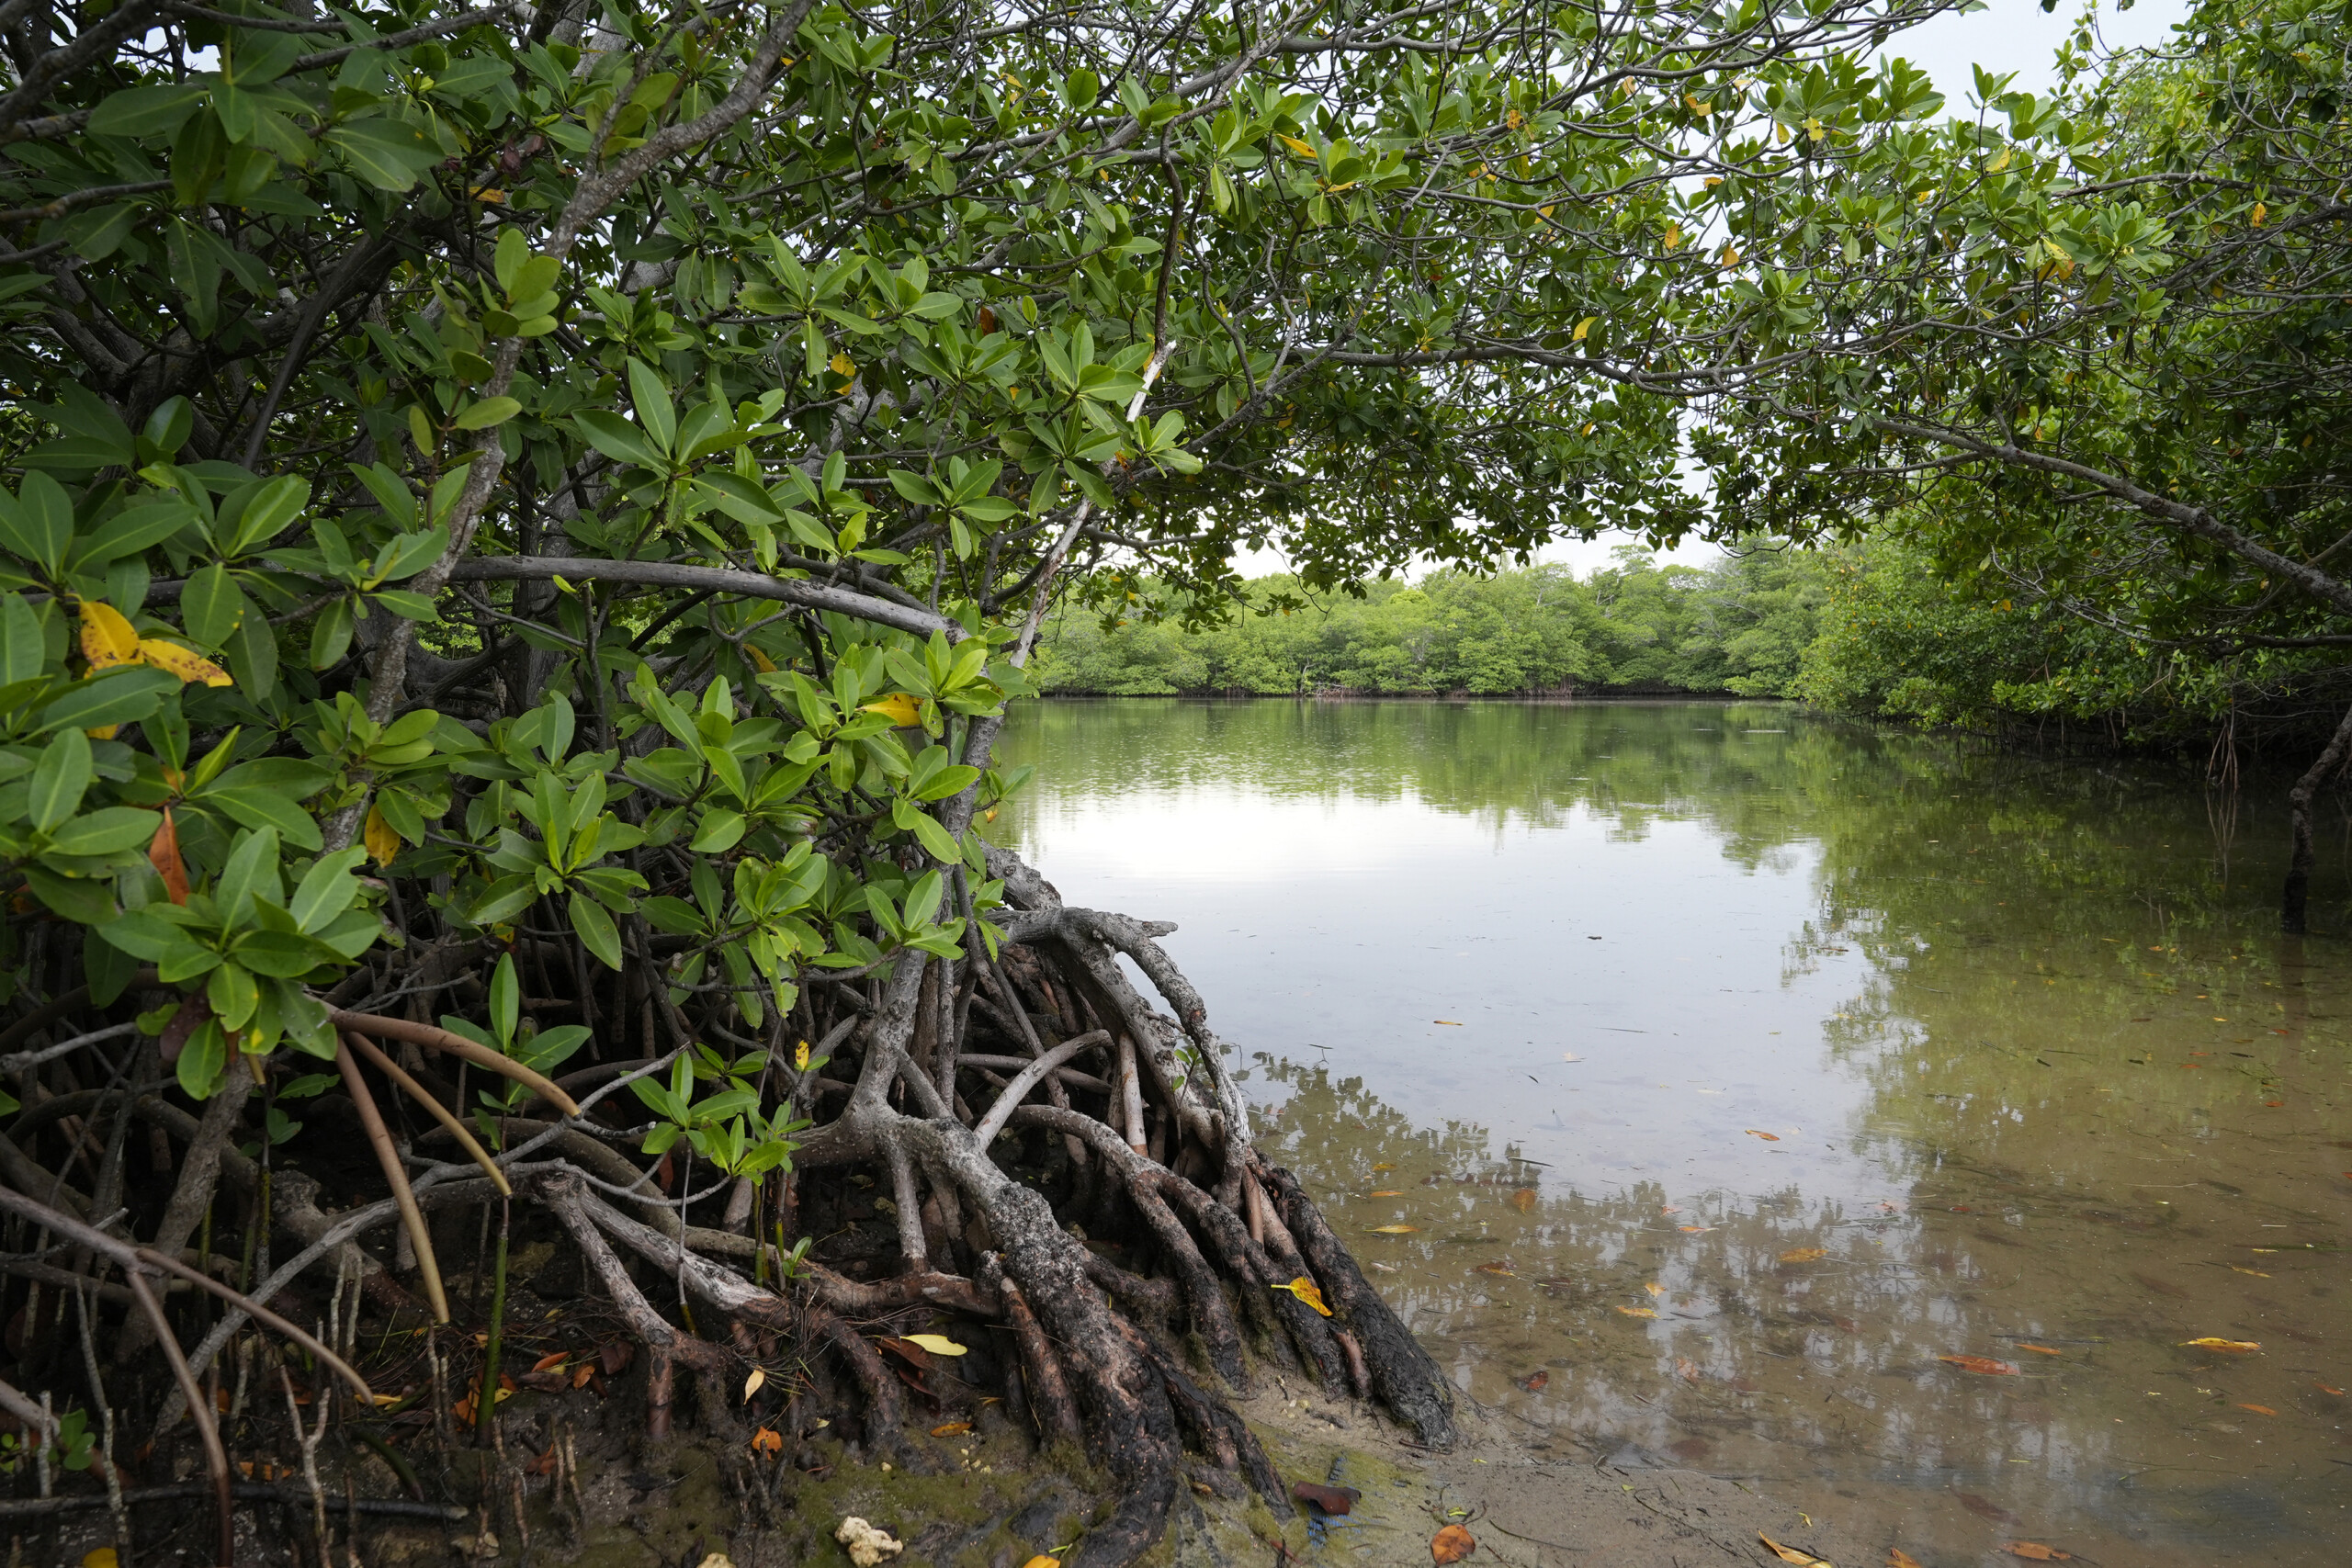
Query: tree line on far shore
{"type": "Point", "coordinates": [1878, 631]}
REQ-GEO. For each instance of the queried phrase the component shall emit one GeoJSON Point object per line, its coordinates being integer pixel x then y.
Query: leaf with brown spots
{"type": "Point", "coordinates": [1452, 1544]}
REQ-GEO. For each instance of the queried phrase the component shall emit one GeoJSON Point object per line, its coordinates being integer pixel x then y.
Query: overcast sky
{"type": "Point", "coordinates": [2007, 36]}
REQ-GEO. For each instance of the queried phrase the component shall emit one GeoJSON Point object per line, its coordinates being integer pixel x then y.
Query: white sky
{"type": "Point", "coordinates": [2005, 36]}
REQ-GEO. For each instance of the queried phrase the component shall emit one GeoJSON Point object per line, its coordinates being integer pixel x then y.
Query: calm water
{"type": "Point", "coordinates": [1732, 1065]}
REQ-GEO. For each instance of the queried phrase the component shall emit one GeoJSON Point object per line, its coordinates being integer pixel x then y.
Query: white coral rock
{"type": "Point", "coordinates": [866, 1545]}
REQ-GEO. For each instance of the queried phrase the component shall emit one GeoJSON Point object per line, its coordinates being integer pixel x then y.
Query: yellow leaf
{"type": "Point", "coordinates": [103, 1557]}
{"type": "Point", "coordinates": [1393, 1230]}
{"type": "Point", "coordinates": [767, 1441]}
{"type": "Point", "coordinates": [1386, 1192]}
{"type": "Point", "coordinates": [189, 667]}
{"type": "Point", "coordinates": [751, 1385]}
{"type": "Point", "coordinates": [2260, 213]}
{"type": "Point", "coordinates": [1523, 1200]}
{"type": "Point", "coordinates": [1655, 1289]}
{"type": "Point", "coordinates": [1637, 1312]}
{"type": "Point", "coordinates": [2233, 1347]}
{"type": "Point", "coordinates": [107, 637]}
{"type": "Point", "coordinates": [760, 661]}
{"type": "Point", "coordinates": [1384, 1166]}
{"type": "Point", "coordinates": [1804, 1255]}
{"type": "Point", "coordinates": [1584, 326]}
{"type": "Point", "coordinates": [898, 707]}
{"type": "Point", "coordinates": [951, 1428]}
{"type": "Point", "coordinates": [383, 842]}
{"type": "Point", "coordinates": [937, 1344]}
{"type": "Point", "coordinates": [1673, 235]}
{"type": "Point", "coordinates": [1545, 211]}
{"type": "Point", "coordinates": [1731, 255]}
{"type": "Point", "coordinates": [1898, 1558]}
{"type": "Point", "coordinates": [1041, 1560]}
{"type": "Point", "coordinates": [1999, 162]}
{"type": "Point", "coordinates": [1791, 1554]}
{"type": "Point", "coordinates": [1700, 109]}
{"type": "Point", "coordinates": [1303, 149]}
{"type": "Point", "coordinates": [800, 1058]}
{"type": "Point", "coordinates": [1306, 1291]}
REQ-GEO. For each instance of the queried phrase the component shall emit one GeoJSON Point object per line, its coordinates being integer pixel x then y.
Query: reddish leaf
{"type": "Point", "coordinates": [551, 1359]}
{"type": "Point", "coordinates": [164, 854]}
{"type": "Point", "coordinates": [1452, 1544]}
{"type": "Point", "coordinates": [615, 1356]}
{"type": "Point", "coordinates": [1331, 1499]}
{"type": "Point", "coordinates": [1984, 1364]}
{"type": "Point", "coordinates": [2034, 1551]}
{"type": "Point", "coordinates": [544, 1464]}
{"type": "Point", "coordinates": [1533, 1382]}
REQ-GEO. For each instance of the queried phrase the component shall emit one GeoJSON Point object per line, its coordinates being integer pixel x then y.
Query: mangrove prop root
{"type": "Point", "coordinates": [1020, 1144]}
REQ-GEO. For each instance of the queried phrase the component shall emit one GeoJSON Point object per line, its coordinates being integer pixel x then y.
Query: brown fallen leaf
{"type": "Point", "coordinates": [1637, 1312]}
{"type": "Point", "coordinates": [1535, 1381]}
{"type": "Point", "coordinates": [2039, 1349]}
{"type": "Point", "coordinates": [1768, 1137]}
{"type": "Point", "coordinates": [2259, 1409]}
{"type": "Point", "coordinates": [2034, 1551]}
{"type": "Point", "coordinates": [1523, 1200]}
{"type": "Point", "coordinates": [1452, 1544]}
{"type": "Point", "coordinates": [1984, 1364]}
{"type": "Point", "coordinates": [581, 1373]}
{"type": "Point", "coordinates": [1898, 1558]}
{"type": "Point", "coordinates": [1687, 1369]}
{"type": "Point", "coordinates": [552, 1360]}
{"type": "Point", "coordinates": [1377, 1168]}
{"type": "Point", "coordinates": [1693, 1230]}
{"type": "Point", "coordinates": [1498, 1266]}
{"type": "Point", "coordinates": [1986, 1509]}
{"type": "Point", "coordinates": [951, 1428]}
{"type": "Point", "coordinates": [1792, 1555]}
{"type": "Point", "coordinates": [907, 1351]}
{"type": "Point", "coordinates": [543, 1464]}
{"type": "Point", "coordinates": [1331, 1499]}
{"type": "Point", "coordinates": [1805, 1255]}
{"type": "Point", "coordinates": [2227, 1346]}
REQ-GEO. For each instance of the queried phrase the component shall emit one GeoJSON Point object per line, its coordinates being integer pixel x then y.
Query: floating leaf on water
{"type": "Point", "coordinates": [1306, 1290]}
{"type": "Point", "coordinates": [1452, 1544]}
{"type": "Point", "coordinates": [2227, 1346]}
{"type": "Point", "coordinates": [2259, 1409]}
{"type": "Point", "coordinates": [1694, 1230]}
{"type": "Point", "coordinates": [1041, 1560]}
{"type": "Point", "coordinates": [1450, 1024]}
{"type": "Point", "coordinates": [1984, 1364]}
{"type": "Point", "coordinates": [751, 1385]}
{"type": "Point", "coordinates": [1654, 1287]}
{"type": "Point", "coordinates": [1378, 1168]}
{"type": "Point", "coordinates": [2039, 1349]}
{"type": "Point", "coordinates": [1393, 1230]}
{"type": "Point", "coordinates": [1792, 1555]}
{"type": "Point", "coordinates": [1535, 1381]}
{"type": "Point", "coordinates": [1499, 1267]}
{"type": "Point", "coordinates": [1386, 1192]}
{"type": "Point", "coordinates": [937, 1344]}
{"type": "Point", "coordinates": [1805, 1255]}
{"type": "Point", "coordinates": [1637, 1312]}
{"type": "Point", "coordinates": [1523, 1200]}
{"type": "Point", "coordinates": [1687, 1368]}
{"type": "Point", "coordinates": [1768, 1137]}
{"type": "Point", "coordinates": [2323, 1387]}
{"type": "Point", "coordinates": [2034, 1551]}
{"type": "Point", "coordinates": [951, 1428]}
{"type": "Point", "coordinates": [1331, 1499]}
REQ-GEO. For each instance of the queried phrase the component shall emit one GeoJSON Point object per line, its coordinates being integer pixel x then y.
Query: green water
{"type": "Point", "coordinates": [1732, 1065]}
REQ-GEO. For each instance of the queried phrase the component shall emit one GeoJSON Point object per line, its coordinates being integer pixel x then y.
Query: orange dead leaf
{"type": "Point", "coordinates": [1449, 1022]}
{"type": "Point", "coordinates": [1393, 1230]}
{"type": "Point", "coordinates": [1306, 1290]}
{"type": "Point", "coordinates": [1386, 1192]}
{"type": "Point", "coordinates": [2324, 1388]}
{"type": "Point", "coordinates": [2039, 1349]}
{"type": "Point", "coordinates": [1041, 1560]}
{"type": "Point", "coordinates": [1792, 1555]}
{"type": "Point", "coordinates": [164, 854]}
{"type": "Point", "coordinates": [1523, 1200]}
{"type": "Point", "coordinates": [1768, 1137]}
{"type": "Point", "coordinates": [1898, 1558]}
{"type": "Point", "coordinates": [1637, 1312]}
{"type": "Point", "coordinates": [1452, 1544]}
{"type": "Point", "coordinates": [1805, 1255]}
{"type": "Point", "coordinates": [2227, 1346]}
{"type": "Point", "coordinates": [552, 1359]}
{"type": "Point", "coordinates": [2034, 1551]}
{"type": "Point", "coordinates": [1535, 1381]}
{"type": "Point", "coordinates": [1377, 1168]}
{"type": "Point", "coordinates": [543, 1464]}
{"type": "Point", "coordinates": [767, 1441]}
{"type": "Point", "coordinates": [2259, 1409]}
{"type": "Point", "coordinates": [951, 1428]}
{"type": "Point", "coordinates": [1984, 1364]}
{"type": "Point", "coordinates": [1693, 1230]}
{"type": "Point", "coordinates": [581, 1373]}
